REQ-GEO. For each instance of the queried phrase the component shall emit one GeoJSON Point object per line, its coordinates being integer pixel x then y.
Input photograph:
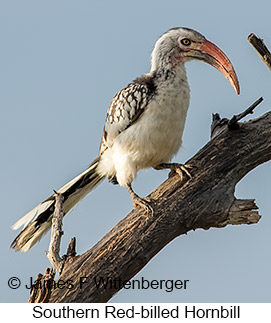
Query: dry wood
{"type": "Point", "coordinates": [42, 287]}
{"type": "Point", "coordinates": [233, 123]}
{"type": "Point", "coordinates": [219, 124]}
{"type": "Point", "coordinates": [56, 233]}
{"type": "Point", "coordinates": [204, 201]}
{"type": "Point", "coordinates": [242, 211]}
{"type": "Point", "coordinates": [260, 47]}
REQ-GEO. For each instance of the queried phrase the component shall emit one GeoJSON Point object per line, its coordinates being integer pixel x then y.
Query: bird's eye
{"type": "Point", "coordinates": [185, 41]}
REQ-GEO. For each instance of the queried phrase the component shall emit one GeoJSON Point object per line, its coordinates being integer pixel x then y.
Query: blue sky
{"type": "Point", "coordinates": [61, 64]}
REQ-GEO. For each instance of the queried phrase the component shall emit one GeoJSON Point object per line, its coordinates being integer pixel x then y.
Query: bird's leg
{"type": "Point", "coordinates": [139, 200]}
{"type": "Point", "coordinates": [180, 169]}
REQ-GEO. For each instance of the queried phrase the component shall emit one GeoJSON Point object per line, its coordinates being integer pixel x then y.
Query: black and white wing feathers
{"type": "Point", "coordinates": [125, 109]}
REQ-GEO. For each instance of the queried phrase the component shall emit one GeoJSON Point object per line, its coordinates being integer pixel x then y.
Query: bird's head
{"type": "Point", "coordinates": [179, 45]}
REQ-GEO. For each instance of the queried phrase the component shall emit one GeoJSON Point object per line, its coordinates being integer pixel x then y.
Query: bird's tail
{"type": "Point", "coordinates": [38, 221]}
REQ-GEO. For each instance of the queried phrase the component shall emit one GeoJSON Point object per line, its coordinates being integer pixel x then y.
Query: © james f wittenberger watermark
{"type": "Point", "coordinates": [116, 283]}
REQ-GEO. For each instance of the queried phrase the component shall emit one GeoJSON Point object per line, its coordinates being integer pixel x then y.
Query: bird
{"type": "Point", "coordinates": [143, 128]}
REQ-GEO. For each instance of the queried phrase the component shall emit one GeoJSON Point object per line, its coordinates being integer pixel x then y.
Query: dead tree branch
{"type": "Point", "coordinates": [260, 47]}
{"type": "Point", "coordinates": [204, 201]}
{"type": "Point", "coordinates": [42, 287]}
{"type": "Point", "coordinates": [44, 284]}
{"type": "Point", "coordinates": [219, 124]}
{"type": "Point", "coordinates": [56, 233]}
{"type": "Point", "coordinates": [233, 123]}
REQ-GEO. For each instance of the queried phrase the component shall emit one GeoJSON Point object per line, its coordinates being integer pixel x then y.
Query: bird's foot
{"type": "Point", "coordinates": [143, 203]}
{"type": "Point", "coordinates": [181, 169]}
{"type": "Point", "coordinates": [139, 201]}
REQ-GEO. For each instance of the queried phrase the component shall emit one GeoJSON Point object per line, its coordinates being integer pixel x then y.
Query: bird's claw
{"type": "Point", "coordinates": [138, 201]}
{"type": "Point", "coordinates": [182, 170]}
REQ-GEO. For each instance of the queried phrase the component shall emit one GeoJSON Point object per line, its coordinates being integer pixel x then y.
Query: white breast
{"type": "Point", "coordinates": [155, 137]}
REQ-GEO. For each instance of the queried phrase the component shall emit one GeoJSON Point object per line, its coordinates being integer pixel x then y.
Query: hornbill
{"type": "Point", "coordinates": [143, 127]}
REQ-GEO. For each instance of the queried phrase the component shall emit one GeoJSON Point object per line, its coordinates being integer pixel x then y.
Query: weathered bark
{"type": "Point", "coordinates": [56, 233]}
{"type": "Point", "coordinates": [42, 287]}
{"type": "Point", "coordinates": [204, 201]}
{"type": "Point", "coordinates": [260, 47]}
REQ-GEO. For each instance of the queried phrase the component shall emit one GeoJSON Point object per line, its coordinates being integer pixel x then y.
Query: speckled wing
{"type": "Point", "coordinates": [125, 109]}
